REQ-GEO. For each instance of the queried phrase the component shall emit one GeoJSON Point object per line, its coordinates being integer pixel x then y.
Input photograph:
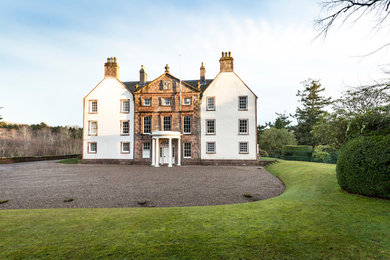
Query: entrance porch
{"type": "Point", "coordinates": [163, 149]}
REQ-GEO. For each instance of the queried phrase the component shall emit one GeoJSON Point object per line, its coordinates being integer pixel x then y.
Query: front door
{"type": "Point", "coordinates": [164, 154]}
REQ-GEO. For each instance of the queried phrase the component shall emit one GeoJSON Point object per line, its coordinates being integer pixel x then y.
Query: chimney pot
{"type": "Point", "coordinates": [202, 74]}
{"type": "Point", "coordinates": [111, 68]}
{"type": "Point", "coordinates": [226, 62]}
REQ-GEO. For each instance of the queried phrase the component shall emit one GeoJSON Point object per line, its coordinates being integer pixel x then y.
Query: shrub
{"type": "Point", "coordinates": [297, 152]}
{"type": "Point", "coordinates": [263, 153]}
{"type": "Point", "coordinates": [325, 154]}
{"type": "Point", "coordinates": [363, 166]}
{"type": "Point", "coordinates": [272, 140]}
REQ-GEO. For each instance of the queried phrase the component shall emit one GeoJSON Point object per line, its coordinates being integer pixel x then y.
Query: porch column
{"type": "Point", "coordinates": [153, 152]}
{"type": "Point", "coordinates": [170, 152]}
{"type": "Point", "coordinates": [178, 151]}
{"type": "Point", "coordinates": [157, 163]}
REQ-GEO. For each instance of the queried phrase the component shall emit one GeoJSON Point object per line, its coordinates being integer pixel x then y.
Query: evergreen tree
{"type": "Point", "coordinates": [313, 105]}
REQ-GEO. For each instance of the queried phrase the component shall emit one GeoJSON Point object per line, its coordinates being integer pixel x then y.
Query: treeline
{"type": "Point", "coordinates": [325, 124]}
{"type": "Point", "coordinates": [39, 140]}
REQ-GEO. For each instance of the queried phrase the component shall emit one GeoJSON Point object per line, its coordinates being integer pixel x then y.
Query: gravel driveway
{"type": "Point", "coordinates": [47, 184]}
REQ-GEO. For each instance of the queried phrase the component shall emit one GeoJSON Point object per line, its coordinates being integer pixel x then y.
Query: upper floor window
{"type": "Point", "coordinates": [210, 126]}
{"type": "Point", "coordinates": [147, 102]}
{"type": "Point", "coordinates": [243, 103]}
{"type": "Point", "coordinates": [187, 150]}
{"type": "Point", "coordinates": [92, 127]}
{"type": "Point", "coordinates": [187, 125]}
{"type": "Point", "coordinates": [93, 106]}
{"type": "Point", "coordinates": [167, 123]}
{"type": "Point", "coordinates": [147, 124]}
{"type": "Point", "coordinates": [125, 106]}
{"type": "Point", "coordinates": [210, 103]}
{"type": "Point", "coordinates": [125, 127]}
{"type": "Point", "coordinates": [243, 126]}
{"type": "Point", "coordinates": [92, 147]}
{"type": "Point", "coordinates": [166, 101]}
{"type": "Point", "coordinates": [243, 147]}
{"type": "Point", "coordinates": [125, 147]}
{"type": "Point", "coordinates": [187, 101]}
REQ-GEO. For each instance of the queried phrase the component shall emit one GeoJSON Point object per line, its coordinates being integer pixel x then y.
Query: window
{"type": "Point", "coordinates": [92, 147]}
{"type": "Point", "coordinates": [187, 101]}
{"type": "Point", "coordinates": [187, 150]}
{"type": "Point", "coordinates": [125, 106]}
{"type": "Point", "coordinates": [147, 124]}
{"type": "Point", "coordinates": [146, 150]}
{"type": "Point", "coordinates": [243, 147]}
{"type": "Point", "coordinates": [166, 101]}
{"type": "Point", "coordinates": [92, 128]}
{"type": "Point", "coordinates": [243, 126]}
{"type": "Point", "coordinates": [125, 128]}
{"type": "Point", "coordinates": [210, 103]}
{"type": "Point", "coordinates": [243, 103]}
{"type": "Point", "coordinates": [210, 126]}
{"type": "Point", "coordinates": [147, 102]}
{"type": "Point", "coordinates": [187, 125]}
{"type": "Point", "coordinates": [125, 147]}
{"type": "Point", "coordinates": [210, 147]}
{"type": "Point", "coordinates": [93, 106]}
{"type": "Point", "coordinates": [167, 123]}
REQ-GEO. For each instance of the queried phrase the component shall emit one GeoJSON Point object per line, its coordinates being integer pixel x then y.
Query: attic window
{"type": "Point", "coordinates": [187, 101]}
{"type": "Point", "coordinates": [147, 102]}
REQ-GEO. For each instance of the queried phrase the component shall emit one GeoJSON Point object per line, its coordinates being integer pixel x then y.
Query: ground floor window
{"type": "Point", "coordinates": [187, 150]}
{"type": "Point", "coordinates": [92, 147]}
{"type": "Point", "coordinates": [125, 147]}
{"type": "Point", "coordinates": [243, 147]}
{"type": "Point", "coordinates": [210, 147]}
{"type": "Point", "coordinates": [146, 150]}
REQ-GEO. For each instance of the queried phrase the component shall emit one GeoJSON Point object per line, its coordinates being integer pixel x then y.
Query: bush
{"type": "Point", "coordinates": [263, 153]}
{"type": "Point", "coordinates": [325, 154]}
{"type": "Point", "coordinates": [272, 140]}
{"type": "Point", "coordinates": [363, 166]}
{"type": "Point", "coordinates": [297, 152]}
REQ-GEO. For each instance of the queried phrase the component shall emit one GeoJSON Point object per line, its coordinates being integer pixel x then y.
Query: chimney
{"type": "Point", "coordinates": [143, 77]}
{"type": "Point", "coordinates": [226, 62]}
{"type": "Point", "coordinates": [111, 68]}
{"type": "Point", "coordinates": [202, 74]}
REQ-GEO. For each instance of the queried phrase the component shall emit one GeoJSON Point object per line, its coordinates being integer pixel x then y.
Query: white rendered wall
{"type": "Point", "coordinates": [226, 88]}
{"type": "Point", "coordinates": [109, 94]}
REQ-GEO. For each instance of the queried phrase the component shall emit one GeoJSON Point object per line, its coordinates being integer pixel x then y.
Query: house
{"type": "Point", "coordinates": [171, 121]}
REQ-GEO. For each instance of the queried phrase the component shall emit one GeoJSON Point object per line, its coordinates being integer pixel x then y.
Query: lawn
{"type": "Point", "coordinates": [312, 219]}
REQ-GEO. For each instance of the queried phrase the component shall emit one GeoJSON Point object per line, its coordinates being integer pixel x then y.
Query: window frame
{"type": "Point", "coordinates": [246, 104]}
{"type": "Point", "coordinates": [215, 127]}
{"type": "Point", "coordinates": [207, 103]}
{"type": "Point", "coordinates": [123, 151]}
{"type": "Point", "coordinates": [122, 128]}
{"type": "Point", "coordinates": [170, 123]}
{"type": "Point", "coordinates": [163, 102]}
{"type": "Point", "coordinates": [247, 126]}
{"type": "Point", "coordinates": [143, 149]}
{"type": "Point", "coordinates": [143, 125]}
{"type": "Point", "coordinates": [184, 150]}
{"type": "Point", "coordinates": [190, 132]}
{"type": "Point", "coordinates": [207, 148]}
{"type": "Point", "coordinates": [184, 101]}
{"type": "Point", "coordinates": [89, 148]}
{"type": "Point", "coordinates": [122, 104]}
{"type": "Point", "coordinates": [144, 104]}
{"type": "Point", "coordinates": [239, 147]}
{"type": "Point", "coordinates": [90, 106]}
{"type": "Point", "coordinates": [90, 127]}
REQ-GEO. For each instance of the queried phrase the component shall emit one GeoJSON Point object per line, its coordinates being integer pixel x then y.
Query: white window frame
{"type": "Point", "coordinates": [91, 107]}
{"type": "Point", "coordinates": [207, 148]}
{"type": "Point", "coordinates": [123, 101]}
{"type": "Point", "coordinates": [146, 152]}
{"type": "Point", "coordinates": [187, 101]}
{"type": "Point", "coordinates": [184, 127]}
{"type": "Point", "coordinates": [247, 126]}
{"type": "Point", "coordinates": [247, 147]}
{"type": "Point", "coordinates": [246, 103]}
{"type": "Point", "coordinates": [165, 103]}
{"type": "Point", "coordinates": [207, 126]}
{"type": "Point", "coordinates": [187, 146]}
{"type": "Point", "coordinates": [147, 102]}
{"type": "Point", "coordinates": [208, 108]}
{"type": "Point", "coordinates": [90, 133]}
{"type": "Point", "coordinates": [122, 145]}
{"type": "Point", "coordinates": [150, 125]}
{"type": "Point", "coordinates": [123, 128]}
{"type": "Point", "coordinates": [90, 145]}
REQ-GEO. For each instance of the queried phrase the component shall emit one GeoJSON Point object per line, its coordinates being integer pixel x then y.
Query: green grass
{"type": "Point", "coordinates": [70, 161]}
{"type": "Point", "coordinates": [312, 219]}
{"type": "Point", "coordinates": [267, 158]}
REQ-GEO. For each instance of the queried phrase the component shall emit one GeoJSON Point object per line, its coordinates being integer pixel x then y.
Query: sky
{"type": "Point", "coordinates": [52, 53]}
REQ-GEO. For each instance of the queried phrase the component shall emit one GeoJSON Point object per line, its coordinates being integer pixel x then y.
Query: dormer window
{"type": "Point", "coordinates": [147, 102]}
{"type": "Point", "coordinates": [166, 101]}
{"type": "Point", "coordinates": [187, 101]}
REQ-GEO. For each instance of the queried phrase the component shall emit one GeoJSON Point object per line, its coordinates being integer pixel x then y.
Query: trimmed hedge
{"type": "Point", "coordinates": [363, 166]}
{"type": "Point", "coordinates": [297, 152]}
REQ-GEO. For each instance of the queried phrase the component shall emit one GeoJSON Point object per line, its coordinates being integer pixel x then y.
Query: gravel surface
{"type": "Point", "coordinates": [48, 184]}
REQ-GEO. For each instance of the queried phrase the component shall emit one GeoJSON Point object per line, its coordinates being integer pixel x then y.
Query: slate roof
{"type": "Point", "coordinates": [131, 85]}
